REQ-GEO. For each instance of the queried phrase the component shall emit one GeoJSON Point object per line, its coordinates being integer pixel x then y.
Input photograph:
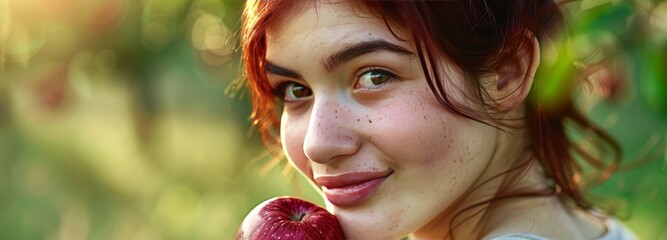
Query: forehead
{"type": "Point", "coordinates": [311, 14]}
{"type": "Point", "coordinates": [323, 23]}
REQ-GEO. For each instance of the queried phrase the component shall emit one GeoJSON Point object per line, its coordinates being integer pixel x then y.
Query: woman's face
{"type": "Point", "coordinates": [361, 122]}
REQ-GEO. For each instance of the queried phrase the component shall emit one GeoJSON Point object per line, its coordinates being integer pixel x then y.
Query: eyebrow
{"type": "Point", "coordinates": [360, 49]}
{"type": "Point", "coordinates": [342, 56]}
{"type": "Point", "coordinates": [278, 70]}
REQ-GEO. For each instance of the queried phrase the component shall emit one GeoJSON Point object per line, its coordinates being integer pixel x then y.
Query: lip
{"type": "Point", "coordinates": [352, 188]}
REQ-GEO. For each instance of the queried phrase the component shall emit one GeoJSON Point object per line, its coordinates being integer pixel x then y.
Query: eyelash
{"type": "Point", "coordinates": [392, 77]}
{"type": "Point", "coordinates": [279, 90]}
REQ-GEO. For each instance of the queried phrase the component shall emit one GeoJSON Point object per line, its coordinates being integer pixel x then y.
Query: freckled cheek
{"type": "Point", "coordinates": [417, 132]}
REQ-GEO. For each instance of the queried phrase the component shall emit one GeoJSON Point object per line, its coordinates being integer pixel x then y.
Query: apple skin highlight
{"type": "Point", "coordinates": [289, 218]}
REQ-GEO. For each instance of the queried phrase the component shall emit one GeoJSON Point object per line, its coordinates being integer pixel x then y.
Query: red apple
{"type": "Point", "coordinates": [289, 218]}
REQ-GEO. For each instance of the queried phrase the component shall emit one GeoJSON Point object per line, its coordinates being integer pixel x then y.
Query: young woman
{"type": "Point", "coordinates": [422, 118]}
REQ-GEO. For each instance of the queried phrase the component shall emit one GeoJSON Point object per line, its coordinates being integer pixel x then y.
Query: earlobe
{"type": "Point", "coordinates": [513, 82]}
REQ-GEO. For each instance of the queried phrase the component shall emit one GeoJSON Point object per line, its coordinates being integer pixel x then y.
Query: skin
{"type": "Point", "coordinates": [344, 123]}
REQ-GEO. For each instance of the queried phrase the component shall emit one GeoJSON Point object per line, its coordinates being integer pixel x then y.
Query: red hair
{"type": "Point", "coordinates": [477, 37]}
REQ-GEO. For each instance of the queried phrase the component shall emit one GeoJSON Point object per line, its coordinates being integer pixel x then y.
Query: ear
{"type": "Point", "coordinates": [510, 85]}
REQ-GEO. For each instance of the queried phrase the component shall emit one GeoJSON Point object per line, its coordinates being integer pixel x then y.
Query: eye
{"type": "Point", "coordinates": [292, 91]}
{"type": "Point", "coordinates": [373, 78]}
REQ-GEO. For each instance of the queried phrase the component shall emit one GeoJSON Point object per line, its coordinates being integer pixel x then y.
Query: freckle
{"type": "Point", "coordinates": [357, 119]}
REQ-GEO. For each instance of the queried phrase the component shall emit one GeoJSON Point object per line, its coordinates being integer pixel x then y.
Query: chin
{"type": "Point", "coordinates": [360, 224]}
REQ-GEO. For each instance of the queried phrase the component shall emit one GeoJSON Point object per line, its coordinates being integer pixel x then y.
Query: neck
{"type": "Point", "coordinates": [511, 169]}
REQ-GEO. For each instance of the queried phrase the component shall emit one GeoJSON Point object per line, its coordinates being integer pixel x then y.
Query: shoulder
{"type": "Point", "coordinates": [615, 231]}
{"type": "Point", "coordinates": [618, 231]}
{"type": "Point", "coordinates": [519, 236]}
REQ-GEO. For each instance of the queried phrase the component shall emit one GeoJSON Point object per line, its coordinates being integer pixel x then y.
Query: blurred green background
{"type": "Point", "coordinates": [119, 119]}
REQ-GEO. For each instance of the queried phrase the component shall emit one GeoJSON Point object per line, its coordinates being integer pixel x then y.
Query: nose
{"type": "Point", "coordinates": [330, 132]}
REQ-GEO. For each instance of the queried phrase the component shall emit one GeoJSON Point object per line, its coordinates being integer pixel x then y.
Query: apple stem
{"type": "Point", "coordinates": [300, 217]}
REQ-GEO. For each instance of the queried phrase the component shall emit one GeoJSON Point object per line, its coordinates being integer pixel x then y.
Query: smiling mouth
{"type": "Point", "coordinates": [351, 188]}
